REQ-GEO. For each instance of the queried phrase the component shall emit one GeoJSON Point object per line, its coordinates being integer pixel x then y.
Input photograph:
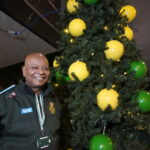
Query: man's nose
{"type": "Point", "coordinates": [41, 70]}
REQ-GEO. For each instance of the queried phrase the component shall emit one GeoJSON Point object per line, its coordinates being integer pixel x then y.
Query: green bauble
{"type": "Point", "coordinates": [90, 2]}
{"type": "Point", "coordinates": [59, 77]}
{"type": "Point", "coordinates": [144, 101]}
{"type": "Point", "coordinates": [100, 142]}
{"type": "Point", "coordinates": [139, 68]}
{"type": "Point", "coordinates": [67, 78]}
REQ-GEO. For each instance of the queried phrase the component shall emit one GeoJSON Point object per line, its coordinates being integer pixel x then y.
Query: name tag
{"type": "Point", "coordinates": [26, 110]}
{"type": "Point", "coordinates": [43, 142]}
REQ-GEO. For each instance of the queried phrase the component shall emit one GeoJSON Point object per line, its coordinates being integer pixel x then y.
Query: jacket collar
{"type": "Point", "coordinates": [46, 89]}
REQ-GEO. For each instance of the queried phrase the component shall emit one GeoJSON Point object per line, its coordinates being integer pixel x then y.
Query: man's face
{"type": "Point", "coordinates": [36, 71]}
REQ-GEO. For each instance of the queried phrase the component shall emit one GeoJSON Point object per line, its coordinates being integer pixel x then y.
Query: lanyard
{"type": "Point", "coordinates": [40, 110]}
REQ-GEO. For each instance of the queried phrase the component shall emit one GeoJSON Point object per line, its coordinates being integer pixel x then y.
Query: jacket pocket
{"type": "Point", "coordinates": [22, 124]}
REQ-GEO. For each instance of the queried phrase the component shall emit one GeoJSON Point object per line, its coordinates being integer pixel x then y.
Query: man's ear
{"type": "Point", "coordinates": [24, 70]}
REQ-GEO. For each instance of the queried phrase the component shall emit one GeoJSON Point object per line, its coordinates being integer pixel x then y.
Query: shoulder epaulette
{"type": "Point", "coordinates": [10, 87]}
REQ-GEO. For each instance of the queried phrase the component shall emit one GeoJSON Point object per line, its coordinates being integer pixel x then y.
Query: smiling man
{"type": "Point", "coordinates": [36, 71]}
{"type": "Point", "coordinates": [29, 113]}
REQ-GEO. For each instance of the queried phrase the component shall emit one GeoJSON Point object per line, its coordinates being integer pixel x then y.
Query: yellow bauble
{"type": "Point", "coordinates": [79, 69]}
{"type": "Point", "coordinates": [128, 33]}
{"type": "Point", "coordinates": [107, 98]}
{"type": "Point", "coordinates": [72, 5]}
{"type": "Point", "coordinates": [77, 27]}
{"type": "Point", "coordinates": [129, 11]}
{"type": "Point", "coordinates": [55, 63]}
{"type": "Point", "coordinates": [115, 50]}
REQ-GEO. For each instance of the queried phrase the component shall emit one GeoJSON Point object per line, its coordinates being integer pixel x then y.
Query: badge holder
{"type": "Point", "coordinates": [43, 142]}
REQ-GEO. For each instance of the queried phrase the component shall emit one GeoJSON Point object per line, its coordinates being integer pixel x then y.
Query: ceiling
{"type": "Point", "coordinates": [31, 27]}
{"type": "Point", "coordinates": [13, 48]}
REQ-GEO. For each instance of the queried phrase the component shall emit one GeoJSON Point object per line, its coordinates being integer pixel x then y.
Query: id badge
{"type": "Point", "coordinates": [43, 142]}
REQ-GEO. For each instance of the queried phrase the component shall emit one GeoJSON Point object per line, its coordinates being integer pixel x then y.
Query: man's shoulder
{"type": "Point", "coordinates": [12, 88]}
{"type": "Point", "coordinates": [7, 90]}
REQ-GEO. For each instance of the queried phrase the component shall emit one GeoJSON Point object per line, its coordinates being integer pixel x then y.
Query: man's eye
{"type": "Point", "coordinates": [34, 67]}
{"type": "Point", "coordinates": [46, 69]}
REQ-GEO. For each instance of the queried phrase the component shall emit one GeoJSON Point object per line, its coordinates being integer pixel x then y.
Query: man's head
{"type": "Point", "coordinates": [36, 71]}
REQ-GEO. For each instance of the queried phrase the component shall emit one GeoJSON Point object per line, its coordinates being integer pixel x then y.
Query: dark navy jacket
{"type": "Point", "coordinates": [19, 123]}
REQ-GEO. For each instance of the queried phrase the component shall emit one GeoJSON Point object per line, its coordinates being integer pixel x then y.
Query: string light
{"type": "Point", "coordinates": [66, 31]}
{"type": "Point", "coordinates": [72, 40]}
{"type": "Point", "coordinates": [113, 86]}
{"type": "Point", "coordinates": [102, 75]}
{"type": "Point", "coordinates": [106, 28]}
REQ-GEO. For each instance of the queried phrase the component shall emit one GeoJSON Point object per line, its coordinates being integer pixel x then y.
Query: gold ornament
{"type": "Point", "coordinates": [77, 27]}
{"type": "Point", "coordinates": [141, 127]}
{"type": "Point", "coordinates": [107, 98]}
{"type": "Point", "coordinates": [129, 11]}
{"type": "Point", "coordinates": [115, 50]}
{"type": "Point", "coordinates": [72, 6]}
{"type": "Point", "coordinates": [79, 69]}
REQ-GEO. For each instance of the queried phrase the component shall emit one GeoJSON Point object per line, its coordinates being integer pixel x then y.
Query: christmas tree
{"type": "Point", "coordinates": [101, 78]}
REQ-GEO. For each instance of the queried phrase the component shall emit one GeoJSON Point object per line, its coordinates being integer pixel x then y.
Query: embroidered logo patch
{"type": "Point", "coordinates": [12, 94]}
{"type": "Point", "coordinates": [26, 110]}
{"type": "Point", "coordinates": [52, 107]}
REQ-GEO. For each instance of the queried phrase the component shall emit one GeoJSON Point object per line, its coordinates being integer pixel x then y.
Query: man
{"type": "Point", "coordinates": [29, 114]}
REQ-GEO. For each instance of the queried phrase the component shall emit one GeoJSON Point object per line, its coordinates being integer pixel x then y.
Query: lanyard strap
{"type": "Point", "coordinates": [40, 110]}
